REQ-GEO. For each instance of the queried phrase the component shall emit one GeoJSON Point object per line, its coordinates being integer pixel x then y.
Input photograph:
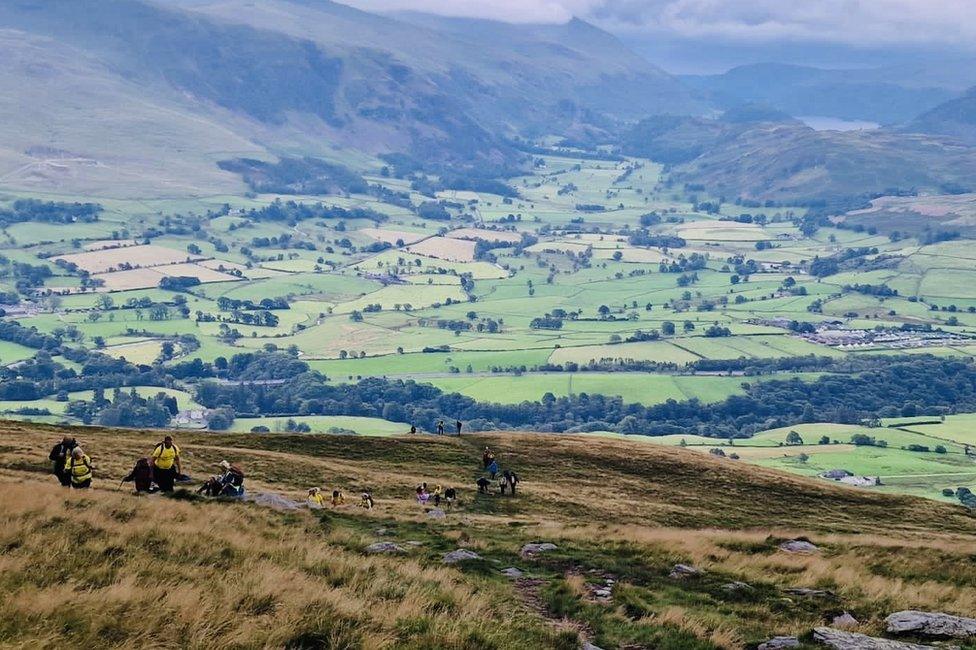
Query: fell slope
{"type": "Point", "coordinates": [78, 567]}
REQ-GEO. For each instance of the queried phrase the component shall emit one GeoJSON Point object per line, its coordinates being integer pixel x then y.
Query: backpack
{"type": "Point", "coordinates": [237, 475]}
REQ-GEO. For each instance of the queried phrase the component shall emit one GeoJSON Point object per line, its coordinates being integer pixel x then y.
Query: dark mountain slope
{"type": "Point", "coordinates": [955, 118]}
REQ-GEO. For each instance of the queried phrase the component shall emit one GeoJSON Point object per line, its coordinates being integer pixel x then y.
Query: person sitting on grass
{"type": "Point", "coordinates": [142, 474]}
{"type": "Point", "coordinates": [337, 499]}
{"type": "Point", "coordinates": [78, 467]}
{"type": "Point", "coordinates": [366, 502]}
{"type": "Point", "coordinates": [228, 484]}
{"type": "Point", "coordinates": [315, 498]}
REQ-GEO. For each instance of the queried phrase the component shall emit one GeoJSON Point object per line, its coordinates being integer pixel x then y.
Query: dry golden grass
{"type": "Point", "coordinates": [106, 568]}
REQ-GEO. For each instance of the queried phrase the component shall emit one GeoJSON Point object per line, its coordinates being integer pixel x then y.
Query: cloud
{"type": "Point", "coordinates": [851, 22]}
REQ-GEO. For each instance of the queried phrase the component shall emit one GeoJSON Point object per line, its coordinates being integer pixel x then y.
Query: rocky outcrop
{"type": "Point", "coordinates": [932, 624]}
{"type": "Point", "coordinates": [844, 621]}
{"type": "Point", "coordinates": [384, 547]}
{"type": "Point", "coordinates": [531, 550]}
{"type": "Point", "coordinates": [841, 640]}
{"type": "Point", "coordinates": [682, 571]}
{"type": "Point", "coordinates": [798, 546]}
{"type": "Point", "coordinates": [512, 572]}
{"type": "Point", "coordinates": [460, 555]}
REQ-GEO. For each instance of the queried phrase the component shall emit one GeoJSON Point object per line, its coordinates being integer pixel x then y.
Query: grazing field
{"type": "Point", "coordinates": [113, 259]}
{"type": "Point", "coordinates": [444, 248]}
{"type": "Point", "coordinates": [138, 352]}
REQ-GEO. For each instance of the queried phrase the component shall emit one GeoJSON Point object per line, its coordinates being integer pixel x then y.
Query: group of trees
{"type": "Point", "coordinates": [49, 211]}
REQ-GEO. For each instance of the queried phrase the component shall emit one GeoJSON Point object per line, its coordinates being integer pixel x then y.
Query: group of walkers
{"type": "Point", "coordinates": [157, 472]}
{"type": "Point", "coordinates": [435, 495]}
{"type": "Point", "coordinates": [441, 428]}
{"type": "Point", "coordinates": [507, 482]}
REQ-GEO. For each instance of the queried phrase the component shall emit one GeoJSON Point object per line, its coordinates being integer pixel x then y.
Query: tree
{"type": "Point", "coordinates": [667, 328]}
{"type": "Point", "coordinates": [794, 438]}
{"type": "Point", "coordinates": [802, 458]}
{"type": "Point", "coordinates": [824, 440]}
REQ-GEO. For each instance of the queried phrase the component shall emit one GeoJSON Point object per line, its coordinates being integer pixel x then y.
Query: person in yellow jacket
{"type": "Point", "coordinates": [315, 497]}
{"type": "Point", "coordinates": [78, 467]}
{"type": "Point", "coordinates": [166, 464]}
{"type": "Point", "coordinates": [337, 498]}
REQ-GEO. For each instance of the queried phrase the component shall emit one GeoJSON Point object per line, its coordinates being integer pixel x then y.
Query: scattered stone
{"type": "Point", "coordinates": [681, 571]}
{"type": "Point", "coordinates": [460, 555]}
{"type": "Point", "coordinates": [736, 587]}
{"type": "Point", "coordinates": [512, 572]}
{"type": "Point", "coordinates": [385, 547]}
{"type": "Point", "coordinates": [603, 593]}
{"type": "Point", "coordinates": [436, 513]}
{"type": "Point", "coordinates": [780, 643]}
{"type": "Point", "coordinates": [935, 624]}
{"type": "Point", "coordinates": [841, 640]}
{"type": "Point", "coordinates": [530, 550]}
{"type": "Point", "coordinates": [798, 546]}
{"type": "Point", "coordinates": [381, 532]}
{"type": "Point", "coordinates": [844, 621]}
{"type": "Point", "coordinates": [272, 500]}
{"type": "Point", "coordinates": [414, 543]}
{"type": "Point", "coordinates": [811, 593]}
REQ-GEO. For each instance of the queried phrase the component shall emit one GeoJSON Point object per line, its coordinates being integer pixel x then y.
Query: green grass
{"type": "Point", "coordinates": [325, 424]}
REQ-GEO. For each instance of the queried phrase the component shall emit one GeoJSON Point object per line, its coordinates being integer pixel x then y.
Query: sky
{"type": "Point", "coordinates": [868, 26]}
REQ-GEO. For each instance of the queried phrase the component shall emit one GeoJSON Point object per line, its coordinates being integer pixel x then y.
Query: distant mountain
{"type": "Point", "coordinates": [296, 77]}
{"type": "Point", "coordinates": [787, 162]}
{"type": "Point", "coordinates": [955, 118]}
{"type": "Point", "coordinates": [882, 95]}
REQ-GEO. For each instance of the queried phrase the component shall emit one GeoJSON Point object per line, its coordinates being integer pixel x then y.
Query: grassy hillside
{"type": "Point", "coordinates": [85, 568]}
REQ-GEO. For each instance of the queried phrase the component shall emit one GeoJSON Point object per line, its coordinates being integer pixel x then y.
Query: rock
{"type": "Point", "coordinates": [844, 621]}
{"type": "Point", "coordinates": [460, 555]}
{"type": "Point", "coordinates": [534, 549]}
{"type": "Point", "coordinates": [272, 500]}
{"type": "Point", "coordinates": [780, 643]}
{"type": "Point", "coordinates": [736, 587]}
{"type": "Point", "coordinates": [436, 513]}
{"type": "Point", "coordinates": [381, 532]}
{"type": "Point", "coordinates": [840, 640]}
{"type": "Point", "coordinates": [835, 474]}
{"type": "Point", "coordinates": [384, 547]}
{"type": "Point", "coordinates": [512, 572]}
{"type": "Point", "coordinates": [589, 646]}
{"type": "Point", "coordinates": [798, 546]}
{"type": "Point", "coordinates": [933, 624]}
{"type": "Point", "coordinates": [811, 593]}
{"type": "Point", "coordinates": [603, 593]}
{"type": "Point", "coordinates": [681, 571]}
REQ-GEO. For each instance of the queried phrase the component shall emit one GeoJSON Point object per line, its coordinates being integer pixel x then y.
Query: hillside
{"type": "Point", "coordinates": [955, 118]}
{"type": "Point", "coordinates": [231, 568]}
{"type": "Point", "coordinates": [226, 79]}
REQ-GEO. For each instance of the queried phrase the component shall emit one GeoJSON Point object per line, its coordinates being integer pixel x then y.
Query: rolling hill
{"type": "Point", "coordinates": [955, 118]}
{"type": "Point", "coordinates": [77, 566]}
{"type": "Point", "coordinates": [223, 79]}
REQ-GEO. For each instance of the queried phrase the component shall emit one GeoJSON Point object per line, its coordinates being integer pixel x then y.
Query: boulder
{"type": "Point", "coordinates": [841, 640]}
{"type": "Point", "coordinates": [603, 592]}
{"type": "Point", "coordinates": [933, 624]}
{"type": "Point", "coordinates": [460, 555]}
{"type": "Point", "coordinates": [681, 571]}
{"type": "Point", "coordinates": [589, 646]}
{"type": "Point", "coordinates": [798, 546]}
{"type": "Point", "coordinates": [384, 547]}
{"type": "Point", "coordinates": [535, 549]}
{"type": "Point", "coordinates": [511, 572]}
{"type": "Point", "coordinates": [436, 513]}
{"type": "Point", "coordinates": [844, 621]}
{"type": "Point", "coordinates": [780, 643]}
{"type": "Point", "coordinates": [272, 500]}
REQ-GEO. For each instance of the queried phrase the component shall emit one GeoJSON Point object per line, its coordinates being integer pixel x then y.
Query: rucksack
{"type": "Point", "coordinates": [237, 475]}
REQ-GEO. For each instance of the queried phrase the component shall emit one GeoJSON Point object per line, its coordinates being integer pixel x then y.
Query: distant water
{"type": "Point", "coordinates": [820, 123]}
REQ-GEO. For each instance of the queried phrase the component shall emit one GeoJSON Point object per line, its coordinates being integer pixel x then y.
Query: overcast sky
{"type": "Point", "coordinates": [928, 23]}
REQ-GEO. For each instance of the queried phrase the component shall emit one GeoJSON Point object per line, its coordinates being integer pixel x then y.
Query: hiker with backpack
{"type": "Point", "coordinates": [338, 499]}
{"type": "Point", "coordinates": [315, 498]}
{"type": "Point", "coordinates": [166, 464]}
{"type": "Point", "coordinates": [59, 456]}
{"type": "Point", "coordinates": [493, 469]}
{"type": "Point", "coordinates": [440, 427]}
{"type": "Point", "coordinates": [228, 484]}
{"type": "Point", "coordinates": [78, 467]}
{"type": "Point", "coordinates": [483, 484]}
{"type": "Point", "coordinates": [366, 502]}
{"type": "Point", "coordinates": [458, 425]}
{"type": "Point", "coordinates": [142, 474]}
